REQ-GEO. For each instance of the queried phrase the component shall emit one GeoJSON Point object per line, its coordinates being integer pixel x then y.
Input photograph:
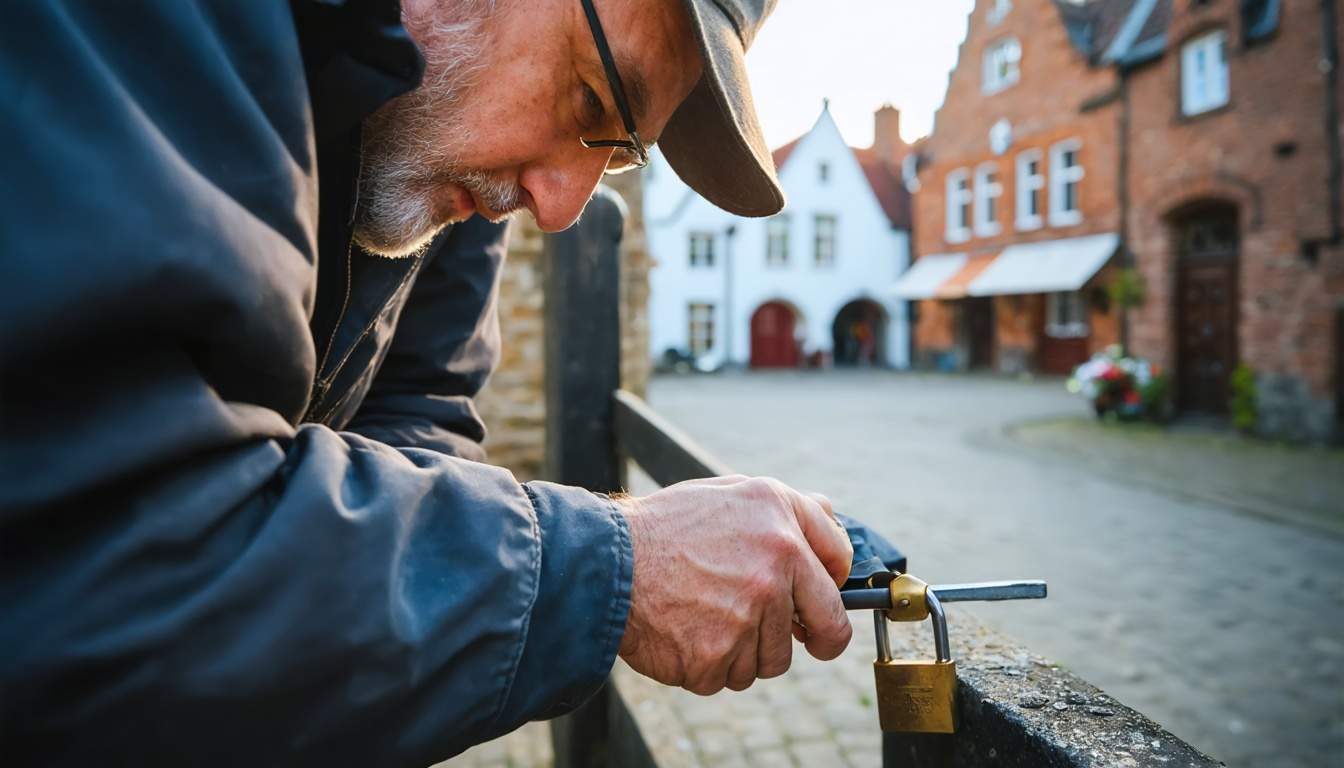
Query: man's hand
{"type": "Point", "coordinates": [726, 570]}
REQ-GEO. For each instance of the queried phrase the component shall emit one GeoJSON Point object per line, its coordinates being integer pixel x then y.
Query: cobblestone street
{"type": "Point", "coordinates": [1222, 625]}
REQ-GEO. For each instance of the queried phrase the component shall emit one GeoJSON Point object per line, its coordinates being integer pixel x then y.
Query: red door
{"type": "Point", "coordinates": [772, 344]}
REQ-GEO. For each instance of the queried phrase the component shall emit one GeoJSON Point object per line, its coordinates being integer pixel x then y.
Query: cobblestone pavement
{"type": "Point", "coordinates": [1225, 627]}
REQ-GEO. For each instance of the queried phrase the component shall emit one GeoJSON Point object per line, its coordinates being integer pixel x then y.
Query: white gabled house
{"type": "Point", "coordinates": [806, 286]}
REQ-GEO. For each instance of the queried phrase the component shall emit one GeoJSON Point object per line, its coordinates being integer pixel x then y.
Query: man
{"type": "Point", "coordinates": [245, 306]}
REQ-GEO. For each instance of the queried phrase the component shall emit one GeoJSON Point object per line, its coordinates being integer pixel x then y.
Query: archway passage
{"type": "Point", "coordinates": [772, 341]}
{"type": "Point", "coordinates": [859, 334]}
{"type": "Point", "coordinates": [1206, 306]}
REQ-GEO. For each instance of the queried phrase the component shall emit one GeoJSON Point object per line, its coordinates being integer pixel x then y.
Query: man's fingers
{"type": "Point", "coordinates": [820, 610]}
{"type": "Point", "coordinates": [828, 540]}
{"type": "Point", "coordinates": [774, 652]}
{"type": "Point", "coordinates": [742, 672]}
{"type": "Point", "coordinates": [823, 502]}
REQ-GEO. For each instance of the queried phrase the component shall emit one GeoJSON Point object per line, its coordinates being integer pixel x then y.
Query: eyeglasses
{"type": "Point", "coordinates": [629, 154]}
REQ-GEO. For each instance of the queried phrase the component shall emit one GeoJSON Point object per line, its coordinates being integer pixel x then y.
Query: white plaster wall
{"type": "Point", "coordinates": [870, 254]}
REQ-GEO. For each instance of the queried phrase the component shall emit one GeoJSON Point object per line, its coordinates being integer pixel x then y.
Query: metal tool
{"type": "Point", "coordinates": [919, 695]}
{"type": "Point", "coordinates": [879, 598]}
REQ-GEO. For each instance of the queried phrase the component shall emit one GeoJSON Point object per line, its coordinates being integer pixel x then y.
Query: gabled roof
{"type": "Point", "coordinates": [887, 187]}
{"type": "Point", "coordinates": [885, 181]}
{"type": "Point", "coordinates": [1124, 32]}
{"type": "Point", "coordinates": [782, 154]}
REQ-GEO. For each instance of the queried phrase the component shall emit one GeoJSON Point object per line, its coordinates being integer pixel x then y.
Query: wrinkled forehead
{"type": "Point", "coordinates": [656, 53]}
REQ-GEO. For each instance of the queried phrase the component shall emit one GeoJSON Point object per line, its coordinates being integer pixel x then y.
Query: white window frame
{"type": "Point", "coordinates": [701, 258]}
{"type": "Point", "coordinates": [1204, 76]}
{"type": "Point", "coordinates": [823, 172]}
{"type": "Point", "coordinates": [1001, 66]}
{"type": "Point", "coordinates": [999, 10]}
{"type": "Point", "coordinates": [777, 240]}
{"type": "Point", "coordinates": [699, 328]}
{"type": "Point", "coordinates": [1029, 183]}
{"type": "Point", "coordinates": [832, 225]}
{"type": "Point", "coordinates": [1075, 325]}
{"type": "Point", "coordinates": [959, 197]}
{"type": "Point", "coordinates": [1061, 178]}
{"type": "Point", "coordinates": [987, 192]}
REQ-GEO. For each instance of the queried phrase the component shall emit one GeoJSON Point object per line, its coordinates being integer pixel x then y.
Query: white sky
{"type": "Point", "coordinates": [861, 54]}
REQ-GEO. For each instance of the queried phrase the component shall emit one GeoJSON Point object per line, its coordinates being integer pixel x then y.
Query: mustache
{"type": "Point", "coordinates": [501, 196]}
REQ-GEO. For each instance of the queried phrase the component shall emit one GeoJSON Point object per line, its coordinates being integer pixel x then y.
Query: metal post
{"type": "Point", "coordinates": [583, 369]}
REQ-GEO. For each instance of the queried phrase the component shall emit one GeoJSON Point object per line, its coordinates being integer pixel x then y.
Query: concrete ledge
{"type": "Point", "coordinates": [1016, 708]}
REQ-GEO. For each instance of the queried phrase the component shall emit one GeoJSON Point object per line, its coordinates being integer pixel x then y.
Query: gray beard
{"type": "Point", "coordinates": [410, 146]}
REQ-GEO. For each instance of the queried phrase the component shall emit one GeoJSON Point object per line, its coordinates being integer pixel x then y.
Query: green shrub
{"type": "Point", "coordinates": [1156, 398]}
{"type": "Point", "coordinates": [1242, 402]}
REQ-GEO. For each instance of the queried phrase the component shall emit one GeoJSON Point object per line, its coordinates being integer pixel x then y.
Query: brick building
{"type": "Point", "coordinates": [1206, 146]}
{"type": "Point", "coordinates": [1233, 154]}
{"type": "Point", "coordinates": [1016, 215]}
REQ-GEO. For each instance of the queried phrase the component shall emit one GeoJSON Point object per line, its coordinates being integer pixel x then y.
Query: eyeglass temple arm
{"type": "Point", "coordinates": [609, 65]}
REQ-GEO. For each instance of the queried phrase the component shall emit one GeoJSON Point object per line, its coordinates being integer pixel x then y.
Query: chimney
{"type": "Point", "coordinates": [887, 134]}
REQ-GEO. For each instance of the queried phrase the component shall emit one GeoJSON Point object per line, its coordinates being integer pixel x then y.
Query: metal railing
{"type": "Point", "coordinates": [1011, 713]}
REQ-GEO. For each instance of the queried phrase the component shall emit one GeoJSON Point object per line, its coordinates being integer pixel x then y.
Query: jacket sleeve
{"type": "Point", "coordinates": [186, 577]}
{"type": "Point", "coordinates": [446, 344]}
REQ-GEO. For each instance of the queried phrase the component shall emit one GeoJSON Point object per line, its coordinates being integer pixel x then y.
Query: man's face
{"type": "Point", "coordinates": [510, 86]}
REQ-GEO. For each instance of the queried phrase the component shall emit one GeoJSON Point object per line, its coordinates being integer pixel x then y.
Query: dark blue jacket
{"type": "Point", "coordinates": [236, 526]}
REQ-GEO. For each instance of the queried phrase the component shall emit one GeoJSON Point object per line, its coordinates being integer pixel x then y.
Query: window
{"type": "Point", "coordinates": [1204, 73]}
{"type": "Point", "coordinates": [1030, 189]}
{"type": "Point", "coordinates": [958, 206]}
{"type": "Point", "coordinates": [910, 172]}
{"type": "Point", "coordinates": [777, 241]}
{"type": "Point", "coordinates": [999, 10]}
{"type": "Point", "coordinates": [988, 190]}
{"type": "Point", "coordinates": [1001, 65]}
{"type": "Point", "coordinates": [1066, 315]}
{"type": "Point", "coordinates": [702, 249]}
{"type": "Point", "coordinates": [1065, 173]}
{"type": "Point", "coordinates": [824, 224]}
{"type": "Point", "coordinates": [823, 172]}
{"type": "Point", "coordinates": [699, 328]}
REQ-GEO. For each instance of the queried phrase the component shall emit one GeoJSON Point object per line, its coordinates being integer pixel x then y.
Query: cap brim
{"type": "Point", "coordinates": [713, 140]}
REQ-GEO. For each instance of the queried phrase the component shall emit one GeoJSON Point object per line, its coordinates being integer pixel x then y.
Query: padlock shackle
{"type": "Point", "coordinates": [883, 638]}
{"type": "Point", "coordinates": [941, 646]}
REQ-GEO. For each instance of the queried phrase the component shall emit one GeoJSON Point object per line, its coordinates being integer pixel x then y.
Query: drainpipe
{"type": "Point", "coordinates": [1122, 194]}
{"type": "Point", "coordinates": [1330, 65]}
{"type": "Point", "coordinates": [728, 319]}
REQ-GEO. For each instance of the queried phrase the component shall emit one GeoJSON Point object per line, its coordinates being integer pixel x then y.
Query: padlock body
{"type": "Point", "coordinates": [916, 696]}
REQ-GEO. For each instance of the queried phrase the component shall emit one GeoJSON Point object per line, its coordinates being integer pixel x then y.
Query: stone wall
{"type": "Point", "coordinates": [513, 401]}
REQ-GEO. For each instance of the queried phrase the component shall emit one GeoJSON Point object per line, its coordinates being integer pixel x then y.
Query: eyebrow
{"type": "Point", "coordinates": [636, 87]}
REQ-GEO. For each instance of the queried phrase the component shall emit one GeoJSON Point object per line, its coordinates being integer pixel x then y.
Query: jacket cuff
{"type": "Point", "coordinates": [582, 600]}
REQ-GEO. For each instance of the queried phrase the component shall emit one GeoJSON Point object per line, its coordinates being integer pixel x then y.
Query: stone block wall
{"type": "Point", "coordinates": [513, 401]}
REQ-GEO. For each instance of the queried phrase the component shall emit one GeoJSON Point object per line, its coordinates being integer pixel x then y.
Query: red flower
{"type": "Point", "coordinates": [1131, 397]}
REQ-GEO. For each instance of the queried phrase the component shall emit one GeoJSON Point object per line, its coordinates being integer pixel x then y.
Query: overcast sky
{"type": "Point", "coordinates": [861, 54]}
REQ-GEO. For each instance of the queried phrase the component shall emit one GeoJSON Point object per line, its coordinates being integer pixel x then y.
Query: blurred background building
{"type": "Point", "coordinates": [804, 287]}
{"type": "Point", "coordinates": [1165, 173]}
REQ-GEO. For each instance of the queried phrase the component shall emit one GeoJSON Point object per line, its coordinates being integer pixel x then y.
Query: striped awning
{"type": "Point", "coordinates": [923, 278]}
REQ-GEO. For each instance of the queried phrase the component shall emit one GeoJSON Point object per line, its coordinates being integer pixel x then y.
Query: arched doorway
{"type": "Point", "coordinates": [772, 340]}
{"type": "Point", "coordinates": [859, 334]}
{"type": "Point", "coordinates": [1206, 305]}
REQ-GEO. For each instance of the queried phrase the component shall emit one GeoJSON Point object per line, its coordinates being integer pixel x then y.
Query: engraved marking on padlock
{"type": "Point", "coordinates": [916, 696]}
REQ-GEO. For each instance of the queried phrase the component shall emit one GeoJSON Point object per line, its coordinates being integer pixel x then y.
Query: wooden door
{"type": "Point", "coordinates": [979, 315]}
{"type": "Point", "coordinates": [772, 344]}
{"type": "Point", "coordinates": [1206, 325]}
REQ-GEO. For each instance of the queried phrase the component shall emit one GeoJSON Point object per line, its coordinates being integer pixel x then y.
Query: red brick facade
{"type": "Point", "coordinates": [1230, 216]}
{"type": "Point", "coordinates": [1265, 158]}
{"type": "Point", "coordinates": [1058, 97]}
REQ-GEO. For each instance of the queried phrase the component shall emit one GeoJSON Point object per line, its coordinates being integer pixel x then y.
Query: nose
{"type": "Point", "coordinates": [562, 187]}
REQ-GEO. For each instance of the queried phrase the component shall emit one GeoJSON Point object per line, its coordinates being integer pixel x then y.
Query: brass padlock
{"type": "Point", "coordinates": [916, 696]}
